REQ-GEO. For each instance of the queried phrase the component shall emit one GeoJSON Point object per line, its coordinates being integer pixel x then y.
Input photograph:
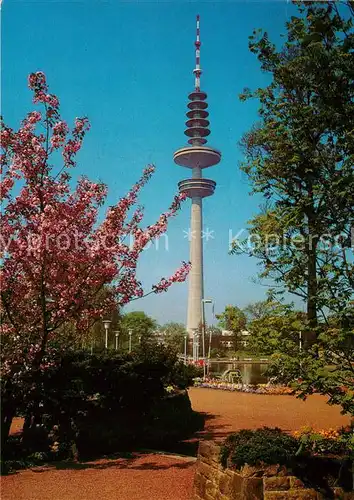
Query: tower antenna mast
{"type": "Point", "coordinates": [197, 71]}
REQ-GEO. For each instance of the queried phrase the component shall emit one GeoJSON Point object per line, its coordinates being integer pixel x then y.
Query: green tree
{"type": "Point", "coordinates": [327, 367]}
{"type": "Point", "coordinates": [173, 334]}
{"type": "Point", "coordinates": [278, 330]}
{"type": "Point", "coordinates": [140, 325]}
{"type": "Point", "coordinates": [234, 320]}
{"type": "Point", "coordinates": [258, 310]}
{"type": "Point", "coordinates": [300, 158]}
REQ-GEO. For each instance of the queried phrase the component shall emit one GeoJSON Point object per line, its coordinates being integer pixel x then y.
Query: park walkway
{"type": "Point", "coordinates": [167, 477]}
{"type": "Point", "coordinates": [231, 411]}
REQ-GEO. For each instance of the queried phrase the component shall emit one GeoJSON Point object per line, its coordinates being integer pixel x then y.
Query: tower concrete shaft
{"type": "Point", "coordinates": [196, 156]}
{"type": "Point", "coordinates": [196, 284]}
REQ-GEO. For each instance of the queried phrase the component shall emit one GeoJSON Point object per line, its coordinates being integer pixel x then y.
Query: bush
{"type": "Point", "coordinates": [170, 421]}
{"type": "Point", "coordinates": [257, 447]}
{"type": "Point", "coordinates": [322, 460]}
{"type": "Point", "coordinates": [327, 442]}
{"type": "Point", "coordinates": [85, 405]}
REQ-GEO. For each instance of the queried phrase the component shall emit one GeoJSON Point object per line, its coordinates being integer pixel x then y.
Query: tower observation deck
{"type": "Point", "coordinates": [197, 156]}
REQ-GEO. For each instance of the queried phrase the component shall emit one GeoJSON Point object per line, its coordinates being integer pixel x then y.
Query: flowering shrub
{"type": "Point", "coordinates": [239, 387]}
{"type": "Point", "coordinates": [321, 459]}
{"type": "Point", "coordinates": [56, 254]}
{"type": "Point", "coordinates": [326, 441]}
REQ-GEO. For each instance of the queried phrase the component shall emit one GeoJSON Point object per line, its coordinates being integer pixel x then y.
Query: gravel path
{"type": "Point", "coordinates": [144, 477]}
{"type": "Point", "coordinates": [231, 411]}
{"type": "Point", "coordinates": [164, 477]}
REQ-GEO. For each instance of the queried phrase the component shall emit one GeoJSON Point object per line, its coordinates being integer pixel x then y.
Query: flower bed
{"type": "Point", "coordinates": [239, 387]}
{"type": "Point", "coordinates": [326, 441]}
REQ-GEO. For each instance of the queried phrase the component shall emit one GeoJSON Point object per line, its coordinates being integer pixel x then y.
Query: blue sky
{"type": "Point", "coordinates": [128, 67]}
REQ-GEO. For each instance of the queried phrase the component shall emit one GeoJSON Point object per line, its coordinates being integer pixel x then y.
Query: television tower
{"type": "Point", "coordinates": [197, 156]}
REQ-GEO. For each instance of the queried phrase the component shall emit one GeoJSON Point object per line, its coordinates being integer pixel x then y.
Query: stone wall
{"type": "Point", "coordinates": [212, 482]}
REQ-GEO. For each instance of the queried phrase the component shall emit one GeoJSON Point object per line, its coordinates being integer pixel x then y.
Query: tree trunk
{"type": "Point", "coordinates": [310, 334]}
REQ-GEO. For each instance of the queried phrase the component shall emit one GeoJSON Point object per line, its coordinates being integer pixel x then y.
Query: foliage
{"type": "Point", "coordinates": [257, 310]}
{"type": "Point", "coordinates": [327, 442]}
{"type": "Point", "coordinates": [279, 329]}
{"type": "Point", "coordinates": [174, 335]}
{"type": "Point", "coordinates": [105, 403]}
{"type": "Point", "coordinates": [56, 258]}
{"type": "Point", "coordinates": [320, 459]}
{"type": "Point", "coordinates": [139, 324]}
{"type": "Point", "coordinates": [234, 320]}
{"type": "Point", "coordinates": [327, 368]}
{"type": "Point", "coordinates": [257, 447]}
{"type": "Point", "coordinates": [300, 158]}
{"type": "Point", "coordinates": [218, 352]}
{"type": "Point", "coordinates": [178, 374]}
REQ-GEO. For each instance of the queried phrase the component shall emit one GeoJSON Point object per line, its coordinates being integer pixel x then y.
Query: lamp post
{"type": "Point", "coordinates": [197, 345]}
{"type": "Point", "coordinates": [210, 337]}
{"type": "Point", "coordinates": [117, 339]}
{"type": "Point", "coordinates": [185, 349]}
{"type": "Point", "coordinates": [130, 340]}
{"type": "Point", "coordinates": [106, 323]}
{"type": "Point", "coordinates": [139, 339]}
{"type": "Point", "coordinates": [195, 341]}
{"type": "Point", "coordinates": [204, 301]}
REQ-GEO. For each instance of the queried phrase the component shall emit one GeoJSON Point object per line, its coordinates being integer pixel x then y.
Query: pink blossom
{"type": "Point", "coordinates": [54, 244]}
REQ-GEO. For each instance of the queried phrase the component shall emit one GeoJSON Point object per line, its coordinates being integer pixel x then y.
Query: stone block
{"type": "Point", "coordinates": [208, 470]}
{"type": "Point", "coordinates": [252, 488]}
{"type": "Point", "coordinates": [251, 471]}
{"type": "Point", "coordinates": [276, 483]}
{"type": "Point", "coordinates": [225, 483]}
{"type": "Point", "coordinates": [296, 483]}
{"type": "Point", "coordinates": [236, 485]}
{"type": "Point", "coordinates": [275, 470]}
{"type": "Point", "coordinates": [209, 451]}
{"type": "Point", "coordinates": [212, 496]}
{"type": "Point", "coordinates": [211, 489]}
{"type": "Point", "coordinates": [199, 484]}
{"type": "Point", "coordinates": [220, 496]}
{"type": "Point", "coordinates": [306, 494]}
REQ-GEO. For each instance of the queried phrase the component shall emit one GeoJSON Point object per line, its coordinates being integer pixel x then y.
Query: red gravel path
{"type": "Point", "coordinates": [144, 477]}
{"type": "Point", "coordinates": [230, 411]}
{"type": "Point", "coordinates": [161, 477]}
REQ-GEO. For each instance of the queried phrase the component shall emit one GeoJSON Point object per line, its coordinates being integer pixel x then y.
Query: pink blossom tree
{"type": "Point", "coordinates": [56, 258]}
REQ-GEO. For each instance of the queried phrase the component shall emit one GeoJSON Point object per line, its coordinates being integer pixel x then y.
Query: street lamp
{"type": "Point", "coordinates": [106, 323]}
{"type": "Point", "coordinates": [130, 340]}
{"type": "Point", "coordinates": [117, 339]}
{"type": "Point", "coordinates": [139, 339]}
{"type": "Point", "coordinates": [204, 301]}
{"type": "Point", "coordinates": [210, 338]}
{"type": "Point", "coordinates": [185, 349]}
{"type": "Point", "coordinates": [195, 339]}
